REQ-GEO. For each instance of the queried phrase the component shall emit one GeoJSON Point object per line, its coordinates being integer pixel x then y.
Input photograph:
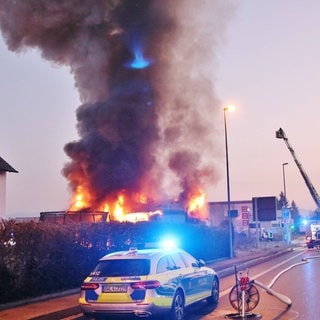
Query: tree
{"type": "Point", "coordinates": [282, 202]}
{"type": "Point", "coordinates": [294, 210]}
{"type": "Point", "coordinates": [295, 215]}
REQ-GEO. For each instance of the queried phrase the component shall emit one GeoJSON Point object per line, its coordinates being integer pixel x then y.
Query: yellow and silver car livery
{"type": "Point", "coordinates": [147, 282]}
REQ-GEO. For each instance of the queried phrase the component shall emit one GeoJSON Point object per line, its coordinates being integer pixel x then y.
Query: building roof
{"type": "Point", "coordinates": [5, 166]}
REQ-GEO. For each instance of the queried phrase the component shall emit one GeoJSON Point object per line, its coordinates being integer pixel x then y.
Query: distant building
{"type": "Point", "coordinates": [4, 168]}
{"type": "Point", "coordinates": [241, 213]}
{"type": "Point", "coordinates": [67, 217]}
{"type": "Point", "coordinates": [243, 218]}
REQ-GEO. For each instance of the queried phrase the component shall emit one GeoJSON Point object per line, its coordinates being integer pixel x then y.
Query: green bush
{"type": "Point", "coordinates": [41, 258]}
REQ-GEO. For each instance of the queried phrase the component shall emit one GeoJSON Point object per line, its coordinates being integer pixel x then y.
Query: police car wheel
{"type": "Point", "coordinates": [177, 309]}
{"type": "Point", "coordinates": [214, 298]}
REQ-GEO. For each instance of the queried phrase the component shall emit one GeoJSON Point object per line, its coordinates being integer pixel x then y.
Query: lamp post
{"type": "Point", "coordinates": [285, 211]}
{"type": "Point", "coordinates": [284, 182]}
{"type": "Point", "coordinates": [228, 108]}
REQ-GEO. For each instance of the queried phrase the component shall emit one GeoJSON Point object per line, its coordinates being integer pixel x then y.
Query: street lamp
{"type": "Point", "coordinates": [285, 210]}
{"type": "Point", "coordinates": [225, 109]}
{"type": "Point", "coordinates": [284, 182]}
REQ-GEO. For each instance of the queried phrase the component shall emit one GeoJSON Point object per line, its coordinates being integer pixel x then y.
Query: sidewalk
{"type": "Point", "coordinates": [246, 259]}
{"type": "Point", "coordinates": [52, 309]}
{"type": "Point", "coordinates": [55, 307]}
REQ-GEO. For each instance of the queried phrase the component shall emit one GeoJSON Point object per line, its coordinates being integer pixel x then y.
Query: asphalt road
{"type": "Point", "coordinates": [293, 277]}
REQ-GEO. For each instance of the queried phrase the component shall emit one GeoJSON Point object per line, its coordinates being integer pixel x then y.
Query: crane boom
{"type": "Point", "coordinates": [281, 135]}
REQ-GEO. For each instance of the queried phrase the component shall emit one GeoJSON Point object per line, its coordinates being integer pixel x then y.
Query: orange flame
{"type": "Point", "coordinates": [80, 199]}
{"type": "Point", "coordinates": [118, 207]}
{"type": "Point", "coordinates": [196, 206]}
{"type": "Point", "coordinates": [142, 216]}
{"type": "Point", "coordinates": [136, 208]}
{"type": "Point", "coordinates": [142, 198]}
{"type": "Point", "coordinates": [118, 211]}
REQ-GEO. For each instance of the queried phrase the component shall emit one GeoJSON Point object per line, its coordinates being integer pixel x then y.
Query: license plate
{"type": "Point", "coordinates": [114, 288]}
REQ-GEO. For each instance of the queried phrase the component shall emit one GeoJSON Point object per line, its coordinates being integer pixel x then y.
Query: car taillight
{"type": "Point", "coordinates": [142, 285]}
{"type": "Point", "coordinates": [89, 286]}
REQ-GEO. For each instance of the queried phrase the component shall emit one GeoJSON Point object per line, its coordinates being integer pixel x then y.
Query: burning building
{"type": "Point", "coordinates": [144, 71]}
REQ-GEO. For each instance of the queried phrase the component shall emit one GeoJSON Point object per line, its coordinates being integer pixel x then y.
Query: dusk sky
{"type": "Point", "coordinates": [267, 64]}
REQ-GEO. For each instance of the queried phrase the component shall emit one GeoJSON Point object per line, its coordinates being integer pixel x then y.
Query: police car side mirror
{"type": "Point", "coordinates": [201, 263]}
{"type": "Point", "coordinates": [198, 264]}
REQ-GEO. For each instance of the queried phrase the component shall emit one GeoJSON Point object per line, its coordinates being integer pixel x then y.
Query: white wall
{"type": "Point", "coordinates": [3, 176]}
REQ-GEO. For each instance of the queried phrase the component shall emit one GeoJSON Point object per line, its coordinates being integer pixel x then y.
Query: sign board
{"type": "Point", "coordinates": [233, 213]}
{"type": "Point", "coordinates": [264, 208]}
{"type": "Point", "coordinates": [245, 223]}
{"type": "Point", "coordinates": [245, 216]}
{"type": "Point", "coordinates": [286, 214]}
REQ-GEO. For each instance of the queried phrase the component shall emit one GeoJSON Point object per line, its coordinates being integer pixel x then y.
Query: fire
{"type": "Point", "coordinates": [80, 199]}
{"type": "Point", "coordinates": [142, 198]}
{"type": "Point", "coordinates": [124, 207]}
{"type": "Point", "coordinates": [142, 216]}
{"type": "Point", "coordinates": [118, 207]}
{"type": "Point", "coordinates": [196, 206]}
{"type": "Point", "coordinates": [197, 202]}
{"type": "Point", "coordinates": [118, 212]}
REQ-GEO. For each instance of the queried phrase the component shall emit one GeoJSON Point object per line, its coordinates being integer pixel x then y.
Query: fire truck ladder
{"type": "Point", "coordinates": [281, 135]}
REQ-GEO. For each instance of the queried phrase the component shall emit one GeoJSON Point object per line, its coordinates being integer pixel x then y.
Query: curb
{"type": "Point", "coordinates": [228, 268]}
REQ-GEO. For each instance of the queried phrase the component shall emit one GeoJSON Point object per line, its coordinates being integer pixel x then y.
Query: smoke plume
{"type": "Point", "coordinates": [144, 70]}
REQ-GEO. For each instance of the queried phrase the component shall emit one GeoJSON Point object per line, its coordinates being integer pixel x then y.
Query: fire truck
{"type": "Point", "coordinates": [313, 234]}
{"type": "Point", "coordinates": [280, 134]}
{"type": "Point", "coordinates": [313, 228]}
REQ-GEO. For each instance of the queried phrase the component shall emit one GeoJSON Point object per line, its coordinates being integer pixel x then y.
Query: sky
{"type": "Point", "coordinates": [267, 65]}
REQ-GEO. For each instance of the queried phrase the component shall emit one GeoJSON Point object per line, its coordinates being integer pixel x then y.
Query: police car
{"type": "Point", "coordinates": [147, 282]}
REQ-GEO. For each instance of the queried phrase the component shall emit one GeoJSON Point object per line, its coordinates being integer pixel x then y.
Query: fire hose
{"type": "Point", "coordinates": [271, 284]}
{"type": "Point", "coordinates": [277, 295]}
{"type": "Point", "coordinates": [244, 296]}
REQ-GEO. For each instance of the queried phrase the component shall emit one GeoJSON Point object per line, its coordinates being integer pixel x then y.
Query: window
{"type": "Point", "coordinates": [165, 264]}
{"type": "Point", "coordinates": [178, 262]}
{"type": "Point", "coordinates": [187, 259]}
{"type": "Point", "coordinates": [122, 267]}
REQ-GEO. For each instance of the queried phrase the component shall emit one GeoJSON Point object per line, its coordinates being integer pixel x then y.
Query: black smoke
{"type": "Point", "coordinates": [148, 129]}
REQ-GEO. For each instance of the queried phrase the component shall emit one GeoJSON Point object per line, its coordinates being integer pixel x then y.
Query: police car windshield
{"type": "Point", "coordinates": [122, 267]}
